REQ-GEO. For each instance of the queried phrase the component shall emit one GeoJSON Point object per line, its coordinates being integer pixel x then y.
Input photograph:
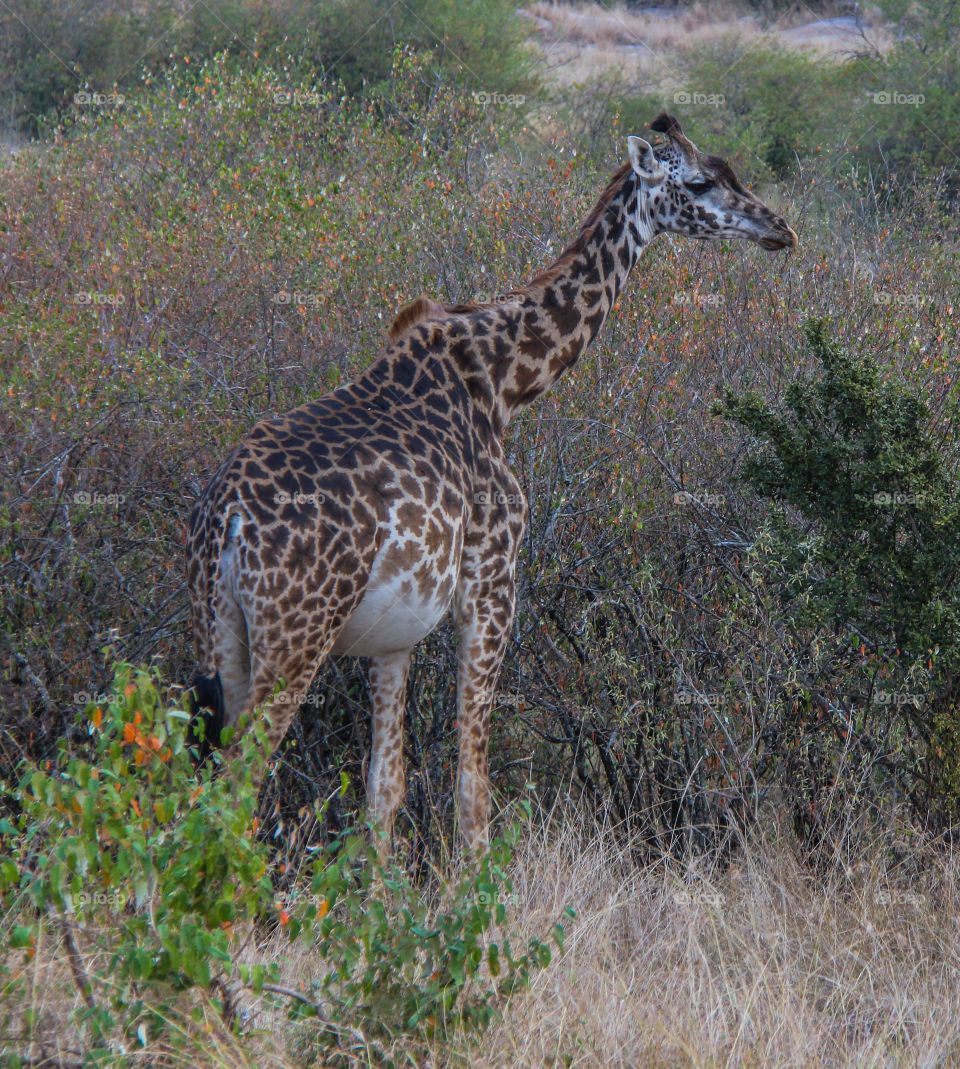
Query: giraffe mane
{"type": "Point", "coordinates": [668, 124]}
{"type": "Point", "coordinates": [424, 309]}
{"type": "Point", "coordinates": [413, 313]}
{"type": "Point", "coordinates": [582, 240]}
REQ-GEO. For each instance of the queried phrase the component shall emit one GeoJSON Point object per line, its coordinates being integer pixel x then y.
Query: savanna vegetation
{"type": "Point", "coordinates": [726, 746]}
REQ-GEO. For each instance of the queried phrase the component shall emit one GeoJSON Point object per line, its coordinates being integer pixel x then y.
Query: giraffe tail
{"type": "Point", "coordinates": [206, 693]}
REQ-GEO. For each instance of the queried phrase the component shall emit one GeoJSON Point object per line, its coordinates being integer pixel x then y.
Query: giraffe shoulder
{"type": "Point", "coordinates": [416, 312]}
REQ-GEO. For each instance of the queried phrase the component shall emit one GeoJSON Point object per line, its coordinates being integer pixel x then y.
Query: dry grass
{"type": "Point", "coordinates": [671, 965]}
{"type": "Point", "coordinates": [763, 965]}
{"type": "Point", "coordinates": [584, 41]}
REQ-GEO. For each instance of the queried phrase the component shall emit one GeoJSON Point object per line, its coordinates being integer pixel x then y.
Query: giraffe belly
{"type": "Point", "coordinates": [396, 611]}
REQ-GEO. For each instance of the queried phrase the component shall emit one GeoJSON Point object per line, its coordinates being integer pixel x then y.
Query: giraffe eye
{"type": "Point", "coordinates": [699, 187]}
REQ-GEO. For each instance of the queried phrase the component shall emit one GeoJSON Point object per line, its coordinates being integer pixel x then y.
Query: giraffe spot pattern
{"type": "Point", "coordinates": [355, 522]}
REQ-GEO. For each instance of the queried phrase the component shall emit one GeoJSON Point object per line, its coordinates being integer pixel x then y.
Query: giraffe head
{"type": "Point", "coordinates": [687, 192]}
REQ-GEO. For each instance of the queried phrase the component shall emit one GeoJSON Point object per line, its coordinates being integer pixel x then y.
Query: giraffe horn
{"type": "Point", "coordinates": [667, 124]}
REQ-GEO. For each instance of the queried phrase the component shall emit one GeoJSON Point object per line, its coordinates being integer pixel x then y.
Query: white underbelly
{"type": "Point", "coordinates": [395, 613]}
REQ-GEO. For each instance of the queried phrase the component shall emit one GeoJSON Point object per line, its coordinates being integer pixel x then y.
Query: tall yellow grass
{"type": "Point", "coordinates": [769, 963]}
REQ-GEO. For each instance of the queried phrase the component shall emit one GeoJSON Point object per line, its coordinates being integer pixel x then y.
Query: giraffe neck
{"type": "Point", "coordinates": [560, 311]}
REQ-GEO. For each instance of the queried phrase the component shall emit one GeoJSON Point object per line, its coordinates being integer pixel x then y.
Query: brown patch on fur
{"type": "Point", "coordinates": [399, 559]}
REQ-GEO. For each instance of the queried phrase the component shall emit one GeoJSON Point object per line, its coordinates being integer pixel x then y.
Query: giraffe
{"type": "Point", "coordinates": [354, 523]}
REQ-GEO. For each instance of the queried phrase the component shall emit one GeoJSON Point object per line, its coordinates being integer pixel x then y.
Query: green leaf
{"type": "Point", "coordinates": [21, 937]}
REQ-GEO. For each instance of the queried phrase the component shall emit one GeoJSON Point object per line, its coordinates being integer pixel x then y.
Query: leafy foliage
{"type": "Point", "coordinates": [399, 968]}
{"type": "Point", "coordinates": [153, 875]}
{"type": "Point", "coordinates": [125, 844]}
{"type": "Point", "coordinates": [858, 460]}
{"type": "Point", "coordinates": [63, 57]}
{"type": "Point", "coordinates": [890, 112]}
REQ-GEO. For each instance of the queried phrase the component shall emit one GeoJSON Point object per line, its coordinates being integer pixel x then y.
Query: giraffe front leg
{"type": "Point", "coordinates": [483, 625]}
{"type": "Point", "coordinates": [385, 784]}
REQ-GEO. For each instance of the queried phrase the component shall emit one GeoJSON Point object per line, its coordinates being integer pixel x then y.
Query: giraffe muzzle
{"type": "Point", "coordinates": [785, 238]}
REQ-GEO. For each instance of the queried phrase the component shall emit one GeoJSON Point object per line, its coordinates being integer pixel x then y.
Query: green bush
{"type": "Point", "coordinates": [396, 967]}
{"type": "Point", "coordinates": [866, 536]}
{"type": "Point", "coordinates": [913, 128]}
{"type": "Point", "coordinates": [51, 53]}
{"type": "Point", "coordinates": [773, 109]}
{"type": "Point", "coordinates": [478, 44]}
{"type": "Point", "coordinates": [154, 865]}
{"type": "Point", "coordinates": [151, 874]}
{"type": "Point", "coordinates": [894, 114]}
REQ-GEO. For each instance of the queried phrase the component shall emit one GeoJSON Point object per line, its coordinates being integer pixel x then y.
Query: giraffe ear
{"type": "Point", "coordinates": [643, 160]}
